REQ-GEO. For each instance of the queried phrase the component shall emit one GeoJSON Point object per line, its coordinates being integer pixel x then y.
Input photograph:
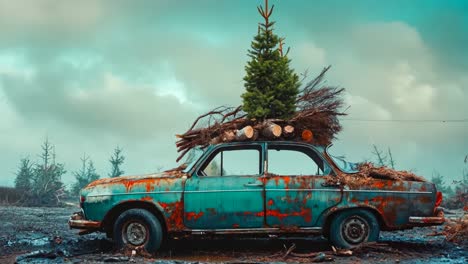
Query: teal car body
{"type": "Point", "coordinates": [256, 201]}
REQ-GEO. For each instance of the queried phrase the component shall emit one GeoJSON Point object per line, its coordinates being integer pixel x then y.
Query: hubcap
{"type": "Point", "coordinates": [355, 230]}
{"type": "Point", "coordinates": [135, 234]}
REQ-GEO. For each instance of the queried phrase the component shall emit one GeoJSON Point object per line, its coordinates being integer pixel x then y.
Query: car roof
{"type": "Point", "coordinates": [277, 142]}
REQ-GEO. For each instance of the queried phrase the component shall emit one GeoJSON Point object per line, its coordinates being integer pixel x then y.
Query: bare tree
{"type": "Point", "coordinates": [381, 158]}
{"type": "Point", "coordinates": [391, 161]}
{"type": "Point", "coordinates": [47, 186]}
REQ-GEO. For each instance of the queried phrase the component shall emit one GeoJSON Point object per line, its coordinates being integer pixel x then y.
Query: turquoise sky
{"type": "Point", "coordinates": [91, 75]}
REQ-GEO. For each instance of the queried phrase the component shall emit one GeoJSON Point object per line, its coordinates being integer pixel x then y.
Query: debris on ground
{"type": "Point", "coordinates": [329, 255]}
{"type": "Point", "coordinates": [456, 230]}
{"type": "Point", "coordinates": [116, 259]}
{"type": "Point", "coordinates": [21, 228]}
{"type": "Point", "coordinates": [342, 252]}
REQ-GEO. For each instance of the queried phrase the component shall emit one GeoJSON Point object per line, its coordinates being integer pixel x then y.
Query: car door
{"type": "Point", "coordinates": [226, 190]}
{"type": "Point", "coordinates": [296, 190]}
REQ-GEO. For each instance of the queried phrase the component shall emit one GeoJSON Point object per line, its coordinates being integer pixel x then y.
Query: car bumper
{"type": "Point", "coordinates": [78, 221]}
{"type": "Point", "coordinates": [438, 219]}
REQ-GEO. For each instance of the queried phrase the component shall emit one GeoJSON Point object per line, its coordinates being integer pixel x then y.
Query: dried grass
{"type": "Point", "coordinates": [457, 230]}
{"type": "Point", "coordinates": [368, 173]}
{"type": "Point", "coordinates": [369, 170]}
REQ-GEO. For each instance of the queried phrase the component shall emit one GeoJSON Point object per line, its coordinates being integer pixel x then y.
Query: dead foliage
{"type": "Point", "coordinates": [327, 256]}
{"type": "Point", "coordinates": [368, 173]}
{"type": "Point", "coordinates": [318, 109]}
{"type": "Point", "coordinates": [367, 169]}
{"type": "Point", "coordinates": [139, 251]}
{"type": "Point", "coordinates": [456, 230]}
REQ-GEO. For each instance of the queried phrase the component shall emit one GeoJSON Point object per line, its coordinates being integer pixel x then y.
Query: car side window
{"type": "Point", "coordinates": [232, 162]}
{"type": "Point", "coordinates": [291, 161]}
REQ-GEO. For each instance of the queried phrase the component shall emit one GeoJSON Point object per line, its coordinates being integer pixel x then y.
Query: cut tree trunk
{"type": "Point", "coordinates": [227, 136]}
{"type": "Point", "coordinates": [288, 131]}
{"type": "Point", "coordinates": [255, 135]}
{"type": "Point", "coordinates": [307, 135]}
{"type": "Point", "coordinates": [245, 133]}
{"type": "Point", "coordinates": [271, 130]}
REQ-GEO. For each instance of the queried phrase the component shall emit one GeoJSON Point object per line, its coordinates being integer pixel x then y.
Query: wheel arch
{"type": "Point", "coordinates": [112, 214]}
{"type": "Point", "coordinates": [335, 211]}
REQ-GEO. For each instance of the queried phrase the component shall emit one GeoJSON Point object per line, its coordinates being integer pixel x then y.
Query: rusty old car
{"type": "Point", "coordinates": [262, 188]}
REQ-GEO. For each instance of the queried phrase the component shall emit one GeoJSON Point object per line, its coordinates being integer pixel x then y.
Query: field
{"type": "Point", "coordinates": [41, 235]}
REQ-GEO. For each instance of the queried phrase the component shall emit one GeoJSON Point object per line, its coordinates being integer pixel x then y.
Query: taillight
{"type": "Point", "coordinates": [82, 199]}
{"type": "Point", "coordinates": [438, 199]}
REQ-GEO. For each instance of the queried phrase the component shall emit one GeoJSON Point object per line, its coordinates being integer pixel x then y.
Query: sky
{"type": "Point", "coordinates": [93, 75]}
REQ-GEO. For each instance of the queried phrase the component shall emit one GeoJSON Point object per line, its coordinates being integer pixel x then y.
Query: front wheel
{"type": "Point", "coordinates": [351, 228]}
{"type": "Point", "coordinates": [138, 228]}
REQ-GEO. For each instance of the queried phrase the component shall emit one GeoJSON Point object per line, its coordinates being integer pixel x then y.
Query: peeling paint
{"type": "Point", "coordinates": [288, 202]}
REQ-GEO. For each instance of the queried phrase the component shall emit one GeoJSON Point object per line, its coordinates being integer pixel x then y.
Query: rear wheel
{"type": "Point", "coordinates": [138, 228]}
{"type": "Point", "coordinates": [351, 228]}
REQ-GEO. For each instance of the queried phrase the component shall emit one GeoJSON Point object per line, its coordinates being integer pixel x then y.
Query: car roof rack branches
{"type": "Point", "coordinates": [315, 121]}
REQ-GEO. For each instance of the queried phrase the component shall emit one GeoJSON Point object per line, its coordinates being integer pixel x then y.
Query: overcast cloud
{"type": "Point", "coordinates": [93, 75]}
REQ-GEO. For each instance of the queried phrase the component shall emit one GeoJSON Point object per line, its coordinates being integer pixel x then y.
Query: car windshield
{"type": "Point", "coordinates": [192, 157]}
{"type": "Point", "coordinates": [343, 165]}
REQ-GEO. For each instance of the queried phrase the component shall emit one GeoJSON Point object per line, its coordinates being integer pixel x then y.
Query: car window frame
{"type": "Point", "coordinates": [298, 146]}
{"type": "Point", "coordinates": [210, 154]}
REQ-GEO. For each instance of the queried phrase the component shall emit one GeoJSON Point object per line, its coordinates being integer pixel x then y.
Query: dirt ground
{"type": "Point", "coordinates": [41, 235]}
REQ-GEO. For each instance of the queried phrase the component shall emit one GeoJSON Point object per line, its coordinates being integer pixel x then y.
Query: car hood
{"type": "Point", "coordinates": [138, 183]}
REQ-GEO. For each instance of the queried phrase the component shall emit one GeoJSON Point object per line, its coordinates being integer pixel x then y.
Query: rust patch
{"type": "Point", "coordinates": [153, 178]}
{"type": "Point", "coordinates": [424, 199]}
{"type": "Point", "coordinates": [193, 216]}
{"type": "Point", "coordinates": [286, 180]}
{"type": "Point", "coordinates": [147, 199]}
{"type": "Point", "coordinates": [174, 211]}
{"type": "Point", "coordinates": [148, 183]}
{"type": "Point", "coordinates": [378, 184]}
{"type": "Point", "coordinates": [276, 181]}
{"type": "Point", "coordinates": [306, 213]}
{"type": "Point", "coordinates": [270, 202]}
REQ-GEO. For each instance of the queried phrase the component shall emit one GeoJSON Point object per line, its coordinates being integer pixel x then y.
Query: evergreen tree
{"type": "Point", "coordinates": [24, 176]}
{"type": "Point", "coordinates": [91, 172]}
{"type": "Point", "coordinates": [441, 186]}
{"type": "Point", "coordinates": [85, 175]}
{"type": "Point", "coordinates": [271, 85]}
{"type": "Point", "coordinates": [47, 186]}
{"type": "Point", "coordinates": [116, 161]}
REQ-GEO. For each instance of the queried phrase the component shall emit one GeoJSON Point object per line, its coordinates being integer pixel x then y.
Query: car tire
{"type": "Point", "coordinates": [351, 228]}
{"type": "Point", "coordinates": [136, 228]}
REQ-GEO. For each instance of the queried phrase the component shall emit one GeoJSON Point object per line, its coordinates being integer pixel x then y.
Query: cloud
{"type": "Point", "coordinates": [389, 64]}
{"type": "Point", "coordinates": [51, 14]}
{"type": "Point", "coordinates": [91, 75]}
{"type": "Point", "coordinates": [108, 103]}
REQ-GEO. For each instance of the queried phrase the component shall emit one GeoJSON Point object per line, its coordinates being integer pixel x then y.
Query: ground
{"type": "Point", "coordinates": [41, 235]}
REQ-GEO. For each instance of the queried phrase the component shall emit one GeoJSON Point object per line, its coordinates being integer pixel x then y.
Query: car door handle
{"type": "Point", "coordinates": [253, 184]}
{"type": "Point", "coordinates": [330, 184]}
